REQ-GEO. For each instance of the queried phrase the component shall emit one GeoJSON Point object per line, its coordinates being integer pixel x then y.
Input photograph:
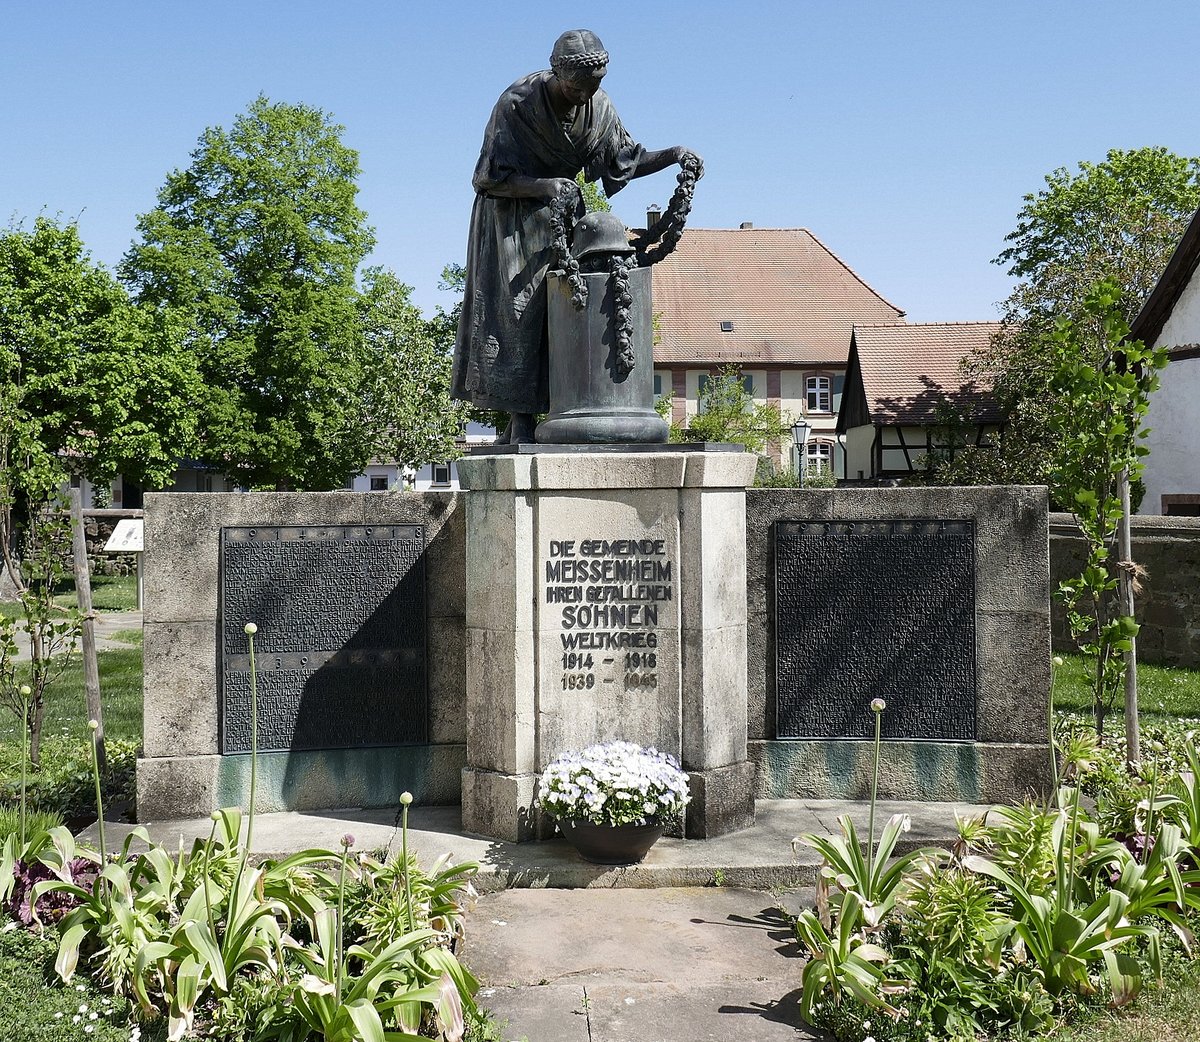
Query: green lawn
{"type": "Point", "coordinates": [1168, 1012]}
{"type": "Point", "coordinates": [66, 711]}
{"type": "Point", "coordinates": [63, 782]}
{"type": "Point", "coordinates": [1164, 693]}
{"type": "Point", "coordinates": [36, 1006]}
{"type": "Point", "coordinates": [109, 593]}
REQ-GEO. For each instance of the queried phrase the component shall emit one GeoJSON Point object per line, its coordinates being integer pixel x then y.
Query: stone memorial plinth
{"type": "Point", "coordinates": [605, 600]}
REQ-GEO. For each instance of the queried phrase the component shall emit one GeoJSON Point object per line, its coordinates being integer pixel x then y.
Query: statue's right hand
{"type": "Point", "coordinates": [562, 188]}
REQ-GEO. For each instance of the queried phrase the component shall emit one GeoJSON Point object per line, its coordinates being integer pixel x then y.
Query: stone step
{"type": "Point", "coordinates": [761, 857]}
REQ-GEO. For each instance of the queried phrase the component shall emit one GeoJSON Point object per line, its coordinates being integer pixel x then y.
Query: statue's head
{"type": "Point", "coordinates": [579, 62]}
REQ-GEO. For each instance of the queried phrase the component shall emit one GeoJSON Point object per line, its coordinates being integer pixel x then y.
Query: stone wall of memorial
{"type": "Point", "coordinates": [1168, 606]}
{"type": "Point", "coordinates": [359, 652]}
{"type": "Point", "coordinates": [937, 601]}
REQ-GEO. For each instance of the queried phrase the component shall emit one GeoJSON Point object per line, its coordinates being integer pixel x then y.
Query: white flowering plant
{"type": "Point", "coordinates": [616, 783]}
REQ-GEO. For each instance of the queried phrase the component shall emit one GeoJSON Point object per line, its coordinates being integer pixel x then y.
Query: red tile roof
{"type": "Point", "coordinates": [789, 298]}
{"type": "Point", "coordinates": [908, 369]}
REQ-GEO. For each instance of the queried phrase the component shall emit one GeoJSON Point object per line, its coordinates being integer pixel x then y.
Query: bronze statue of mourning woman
{"type": "Point", "coordinates": [545, 129]}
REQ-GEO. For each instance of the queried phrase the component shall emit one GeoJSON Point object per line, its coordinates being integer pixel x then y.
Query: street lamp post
{"type": "Point", "coordinates": [800, 431]}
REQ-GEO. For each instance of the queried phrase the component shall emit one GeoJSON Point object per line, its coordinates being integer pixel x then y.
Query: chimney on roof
{"type": "Point", "coordinates": [653, 213]}
{"type": "Point", "coordinates": [746, 225]}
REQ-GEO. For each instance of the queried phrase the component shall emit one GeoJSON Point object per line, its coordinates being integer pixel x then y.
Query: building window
{"type": "Point", "coordinates": [1176, 504]}
{"type": "Point", "coordinates": [726, 326]}
{"type": "Point", "coordinates": [658, 385]}
{"type": "Point", "coordinates": [817, 393]}
{"type": "Point", "coordinates": [839, 381]}
{"type": "Point", "coordinates": [818, 459]}
{"type": "Point", "coordinates": [379, 483]}
{"type": "Point", "coordinates": [204, 483]}
{"type": "Point", "coordinates": [441, 474]}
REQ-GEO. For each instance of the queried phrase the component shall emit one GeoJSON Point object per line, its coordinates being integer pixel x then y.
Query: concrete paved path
{"type": "Point", "coordinates": [106, 623]}
{"type": "Point", "coordinates": [679, 965]}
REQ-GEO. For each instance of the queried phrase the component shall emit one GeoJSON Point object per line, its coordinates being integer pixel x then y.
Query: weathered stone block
{"type": "Point", "coordinates": [1012, 550]}
{"type": "Point", "coordinates": [500, 562]}
{"type": "Point", "coordinates": [176, 787]}
{"type": "Point", "coordinates": [760, 675]}
{"type": "Point", "coordinates": [483, 473]}
{"type": "Point", "coordinates": [713, 559]}
{"type": "Point", "coordinates": [331, 778]}
{"type": "Point", "coordinates": [501, 806]}
{"type": "Point", "coordinates": [719, 470]}
{"type": "Point", "coordinates": [714, 697]}
{"type": "Point", "coordinates": [1013, 676]}
{"type": "Point", "coordinates": [447, 664]}
{"type": "Point", "coordinates": [608, 470]}
{"type": "Point", "coordinates": [179, 689]}
{"type": "Point", "coordinates": [722, 800]}
{"type": "Point", "coordinates": [500, 701]}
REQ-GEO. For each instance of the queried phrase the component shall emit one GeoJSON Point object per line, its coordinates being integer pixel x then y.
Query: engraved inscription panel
{"type": "Point", "coordinates": [607, 595]}
{"type": "Point", "coordinates": [608, 619]}
{"type": "Point", "coordinates": [340, 648]}
{"type": "Point", "coordinates": [867, 609]}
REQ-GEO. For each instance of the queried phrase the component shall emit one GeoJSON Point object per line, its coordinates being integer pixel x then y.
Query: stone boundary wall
{"type": "Point", "coordinates": [98, 526]}
{"type": "Point", "coordinates": [182, 773]}
{"type": "Point", "coordinates": [1010, 756]}
{"type": "Point", "coordinates": [1169, 604]}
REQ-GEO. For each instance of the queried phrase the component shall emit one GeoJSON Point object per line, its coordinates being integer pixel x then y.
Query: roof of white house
{"type": "Point", "coordinates": [1148, 325]}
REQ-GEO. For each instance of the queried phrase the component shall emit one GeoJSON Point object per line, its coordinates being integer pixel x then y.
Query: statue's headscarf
{"type": "Point", "coordinates": [577, 50]}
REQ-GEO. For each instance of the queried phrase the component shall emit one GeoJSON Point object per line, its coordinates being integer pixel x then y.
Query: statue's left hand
{"type": "Point", "coordinates": [686, 154]}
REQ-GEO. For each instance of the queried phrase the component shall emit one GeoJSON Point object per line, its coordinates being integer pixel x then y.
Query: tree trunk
{"type": "Point", "coordinates": [83, 594]}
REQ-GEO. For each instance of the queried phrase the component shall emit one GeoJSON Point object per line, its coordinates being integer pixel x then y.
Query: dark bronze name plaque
{"type": "Point", "coordinates": [867, 609]}
{"type": "Point", "coordinates": [340, 648]}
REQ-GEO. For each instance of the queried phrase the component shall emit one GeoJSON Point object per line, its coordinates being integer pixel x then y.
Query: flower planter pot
{"type": "Point", "coordinates": [611, 844]}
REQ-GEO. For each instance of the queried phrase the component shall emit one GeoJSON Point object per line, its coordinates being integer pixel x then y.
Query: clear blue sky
{"type": "Point", "coordinates": [902, 134]}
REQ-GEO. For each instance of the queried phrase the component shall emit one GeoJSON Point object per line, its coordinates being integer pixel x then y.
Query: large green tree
{"type": "Point", "coordinates": [89, 385]}
{"type": "Point", "coordinates": [410, 414]}
{"type": "Point", "coordinates": [1116, 221]}
{"type": "Point", "coordinates": [255, 248]}
{"type": "Point", "coordinates": [100, 385]}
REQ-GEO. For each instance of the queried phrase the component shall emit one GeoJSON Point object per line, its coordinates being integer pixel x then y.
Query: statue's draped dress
{"type": "Point", "coordinates": [500, 354]}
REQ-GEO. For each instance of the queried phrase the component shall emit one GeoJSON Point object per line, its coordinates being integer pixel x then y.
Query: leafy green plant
{"type": "Point", "coordinates": [1099, 374]}
{"type": "Point", "coordinates": [874, 881]}
{"type": "Point", "coordinates": [350, 994]}
{"type": "Point", "coordinates": [948, 943]}
{"type": "Point", "coordinates": [1068, 945]}
{"type": "Point", "coordinates": [36, 821]}
{"type": "Point", "coordinates": [841, 962]}
{"type": "Point", "coordinates": [197, 957]}
{"type": "Point", "coordinates": [377, 904]}
{"type": "Point", "coordinates": [112, 915]}
{"type": "Point", "coordinates": [1162, 885]}
{"type": "Point", "coordinates": [1186, 808]}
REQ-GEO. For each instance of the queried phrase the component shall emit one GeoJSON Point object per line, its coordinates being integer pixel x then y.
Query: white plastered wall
{"type": "Point", "coordinates": [1173, 465]}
